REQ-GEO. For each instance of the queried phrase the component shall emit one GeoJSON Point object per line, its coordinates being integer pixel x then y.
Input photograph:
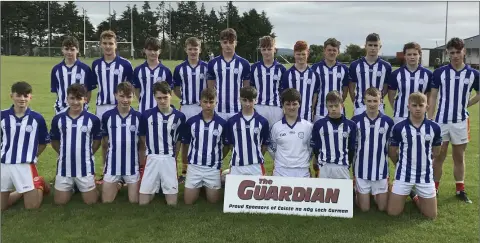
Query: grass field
{"type": "Point", "coordinates": [124, 222]}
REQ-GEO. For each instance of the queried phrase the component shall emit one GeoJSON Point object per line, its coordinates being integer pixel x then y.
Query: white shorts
{"type": "Point", "coordinates": [334, 171]}
{"type": "Point", "coordinates": [457, 133]}
{"type": "Point", "coordinates": [84, 183]}
{"type": "Point", "coordinates": [291, 172]}
{"type": "Point", "coordinates": [361, 109]}
{"type": "Point", "coordinates": [101, 109]}
{"type": "Point", "coordinates": [225, 115]}
{"type": "Point", "coordinates": [255, 169]}
{"type": "Point", "coordinates": [424, 190]}
{"type": "Point", "coordinates": [371, 187]}
{"type": "Point", "coordinates": [159, 170]}
{"type": "Point", "coordinates": [398, 119]}
{"type": "Point", "coordinates": [190, 110]}
{"type": "Point", "coordinates": [199, 176]}
{"type": "Point", "coordinates": [18, 177]}
{"type": "Point", "coordinates": [129, 179]}
{"type": "Point", "coordinates": [271, 113]}
{"type": "Point", "coordinates": [317, 117]}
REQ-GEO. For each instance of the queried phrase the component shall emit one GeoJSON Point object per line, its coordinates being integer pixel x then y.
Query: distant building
{"type": "Point", "coordinates": [472, 57]}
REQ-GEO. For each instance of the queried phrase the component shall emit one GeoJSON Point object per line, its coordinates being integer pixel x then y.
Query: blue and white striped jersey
{"type": "Point", "coordinates": [21, 136]}
{"type": "Point", "coordinates": [366, 76]}
{"type": "Point", "coordinates": [333, 141]}
{"type": "Point", "coordinates": [144, 78]}
{"type": "Point", "coordinates": [206, 140]}
{"type": "Point", "coordinates": [454, 88]}
{"type": "Point", "coordinates": [162, 131]}
{"type": "Point", "coordinates": [247, 138]}
{"type": "Point", "coordinates": [62, 77]}
{"type": "Point", "coordinates": [267, 82]}
{"type": "Point", "coordinates": [307, 83]}
{"type": "Point", "coordinates": [108, 75]}
{"type": "Point", "coordinates": [192, 81]}
{"type": "Point", "coordinates": [76, 137]}
{"type": "Point", "coordinates": [406, 83]}
{"type": "Point", "coordinates": [122, 133]}
{"type": "Point", "coordinates": [371, 153]}
{"type": "Point", "coordinates": [331, 78]}
{"type": "Point", "coordinates": [415, 161]}
{"type": "Point", "coordinates": [229, 78]}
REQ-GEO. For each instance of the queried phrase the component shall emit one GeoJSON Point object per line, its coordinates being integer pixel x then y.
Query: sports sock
{"type": "Point", "coordinates": [460, 186]}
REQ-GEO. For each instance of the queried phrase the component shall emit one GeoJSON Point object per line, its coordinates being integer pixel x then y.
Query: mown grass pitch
{"type": "Point", "coordinates": [124, 222]}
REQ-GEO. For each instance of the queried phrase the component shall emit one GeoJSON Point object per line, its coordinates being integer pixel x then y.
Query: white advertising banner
{"type": "Point", "coordinates": [288, 195]}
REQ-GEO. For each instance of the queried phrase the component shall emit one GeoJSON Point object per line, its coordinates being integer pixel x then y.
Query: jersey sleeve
{"type": "Point", "coordinates": [388, 73]}
{"type": "Point", "coordinates": [128, 72]}
{"type": "Point", "coordinates": [104, 123]}
{"type": "Point", "coordinates": [229, 133]}
{"type": "Point", "coordinates": [264, 133]}
{"type": "Point", "coordinates": [224, 134]}
{"type": "Point", "coordinates": [210, 71]}
{"type": "Point", "coordinates": [272, 148]}
{"type": "Point", "coordinates": [54, 130]}
{"type": "Point", "coordinates": [53, 81]}
{"type": "Point", "coordinates": [392, 83]}
{"type": "Point", "coordinates": [94, 77]}
{"type": "Point", "coordinates": [396, 137]}
{"type": "Point", "coordinates": [476, 81]}
{"type": "Point", "coordinates": [186, 133]}
{"type": "Point", "coordinates": [352, 137]}
{"type": "Point", "coordinates": [283, 82]}
{"type": "Point", "coordinates": [346, 77]}
{"type": "Point", "coordinates": [168, 77]}
{"type": "Point", "coordinates": [135, 79]}
{"type": "Point", "coordinates": [316, 88]}
{"type": "Point", "coordinates": [142, 129]}
{"type": "Point", "coordinates": [181, 127]}
{"type": "Point", "coordinates": [390, 123]}
{"type": "Point", "coordinates": [437, 138]}
{"type": "Point", "coordinates": [429, 75]}
{"type": "Point", "coordinates": [96, 128]}
{"type": "Point", "coordinates": [246, 70]}
{"type": "Point", "coordinates": [43, 136]}
{"type": "Point", "coordinates": [315, 139]}
{"type": "Point", "coordinates": [436, 81]}
{"type": "Point", "coordinates": [89, 79]}
{"type": "Point", "coordinates": [177, 80]}
{"type": "Point", "coordinates": [252, 75]}
{"type": "Point", "coordinates": [352, 73]}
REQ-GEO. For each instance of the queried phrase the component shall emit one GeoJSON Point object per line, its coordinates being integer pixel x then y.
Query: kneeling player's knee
{"type": "Point", "coordinates": [32, 204]}
{"type": "Point", "coordinates": [393, 212]}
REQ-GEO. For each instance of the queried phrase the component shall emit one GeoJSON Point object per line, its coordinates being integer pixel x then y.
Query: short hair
{"type": "Point", "coordinates": [417, 98]}
{"type": "Point", "coordinates": [266, 42]}
{"type": "Point", "coordinates": [125, 87]}
{"type": "Point", "coordinates": [456, 43]}
{"type": "Point", "coordinates": [249, 93]}
{"type": "Point", "coordinates": [334, 97]}
{"type": "Point", "coordinates": [290, 95]}
{"type": "Point", "coordinates": [208, 94]}
{"type": "Point", "coordinates": [108, 34]}
{"type": "Point", "coordinates": [163, 87]}
{"type": "Point", "coordinates": [228, 34]}
{"type": "Point", "coordinates": [412, 45]}
{"type": "Point", "coordinates": [70, 41]}
{"type": "Point", "coordinates": [77, 90]}
{"type": "Point", "coordinates": [332, 42]}
{"type": "Point", "coordinates": [152, 43]}
{"type": "Point", "coordinates": [193, 41]}
{"type": "Point", "coordinates": [300, 46]}
{"type": "Point", "coordinates": [21, 88]}
{"type": "Point", "coordinates": [372, 37]}
{"type": "Point", "coordinates": [372, 91]}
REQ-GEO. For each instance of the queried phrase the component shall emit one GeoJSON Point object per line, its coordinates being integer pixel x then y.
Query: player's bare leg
{"type": "Point", "coordinates": [62, 197]}
{"type": "Point", "coordinates": [171, 199]}
{"type": "Point", "coordinates": [5, 198]}
{"type": "Point", "coordinates": [428, 207]}
{"type": "Point", "coordinates": [33, 199]}
{"type": "Point", "coordinates": [109, 191]}
{"type": "Point", "coordinates": [133, 192]}
{"type": "Point", "coordinates": [90, 197]}
{"type": "Point", "coordinates": [191, 195]}
{"type": "Point", "coordinates": [14, 197]}
{"type": "Point", "coordinates": [363, 201]}
{"type": "Point", "coordinates": [144, 199]}
{"type": "Point", "coordinates": [438, 164]}
{"type": "Point", "coordinates": [381, 200]}
{"type": "Point", "coordinates": [213, 195]}
{"type": "Point", "coordinates": [458, 155]}
{"type": "Point", "coordinates": [396, 203]}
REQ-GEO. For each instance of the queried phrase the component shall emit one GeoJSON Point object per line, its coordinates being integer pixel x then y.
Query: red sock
{"type": "Point", "coordinates": [460, 186]}
{"type": "Point", "coordinates": [437, 183]}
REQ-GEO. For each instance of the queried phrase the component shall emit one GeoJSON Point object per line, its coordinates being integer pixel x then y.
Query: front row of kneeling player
{"type": "Point", "coordinates": [142, 147]}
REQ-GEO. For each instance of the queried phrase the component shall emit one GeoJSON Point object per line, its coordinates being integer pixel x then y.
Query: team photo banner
{"type": "Point", "coordinates": [288, 195]}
